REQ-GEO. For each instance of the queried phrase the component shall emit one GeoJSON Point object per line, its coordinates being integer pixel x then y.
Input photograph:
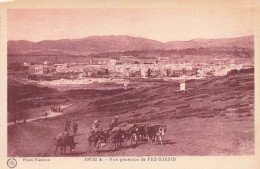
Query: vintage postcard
{"type": "Point", "coordinates": [120, 86]}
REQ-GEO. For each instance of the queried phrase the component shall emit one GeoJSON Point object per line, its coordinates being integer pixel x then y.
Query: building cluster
{"type": "Point", "coordinates": [128, 67]}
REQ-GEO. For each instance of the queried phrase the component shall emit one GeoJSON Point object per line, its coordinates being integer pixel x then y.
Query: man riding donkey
{"type": "Point", "coordinates": [65, 138]}
{"type": "Point", "coordinates": [95, 131]}
{"type": "Point", "coordinates": [114, 123]}
{"type": "Point", "coordinates": [98, 134]}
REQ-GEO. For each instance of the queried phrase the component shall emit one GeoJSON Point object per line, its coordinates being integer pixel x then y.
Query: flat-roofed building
{"type": "Point", "coordinates": [100, 61]}
{"type": "Point", "coordinates": [162, 60]}
{"type": "Point", "coordinates": [35, 70]}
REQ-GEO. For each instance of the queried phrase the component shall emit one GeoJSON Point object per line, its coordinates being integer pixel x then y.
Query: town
{"type": "Point", "coordinates": [131, 67]}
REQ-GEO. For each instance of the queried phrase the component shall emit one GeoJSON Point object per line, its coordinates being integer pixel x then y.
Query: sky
{"type": "Point", "coordinates": [163, 25]}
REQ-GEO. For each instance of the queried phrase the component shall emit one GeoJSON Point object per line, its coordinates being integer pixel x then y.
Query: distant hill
{"type": "Point", "coordinates": [89, 45]}
{"type": "Point", "coordinates": [241, 42]}
{"type": "Point", "coordinates": [110, 44]}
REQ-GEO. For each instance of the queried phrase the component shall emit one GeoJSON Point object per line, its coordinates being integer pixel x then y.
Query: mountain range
{"type": "Point", "coordinates": [110, 44]}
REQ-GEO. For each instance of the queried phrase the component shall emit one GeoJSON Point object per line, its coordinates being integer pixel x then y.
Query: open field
{"type": "Point", "coordinates": [214, 116]}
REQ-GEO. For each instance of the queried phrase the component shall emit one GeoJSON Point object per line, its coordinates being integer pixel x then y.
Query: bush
{"type": "Point", "coordinates": [233, 72]}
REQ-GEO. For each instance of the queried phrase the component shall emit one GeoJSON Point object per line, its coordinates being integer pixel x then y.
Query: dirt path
{"type": "Point", "coordinates": [49, 112]}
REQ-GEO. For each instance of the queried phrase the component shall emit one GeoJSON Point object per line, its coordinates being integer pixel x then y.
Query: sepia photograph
{"type": "Point", "coordinates": [130, 82]}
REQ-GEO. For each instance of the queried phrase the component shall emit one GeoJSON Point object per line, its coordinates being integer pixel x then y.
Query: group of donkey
{"type": "Point", "coordinates": [122, 133]}
{"type": "Point", "coordinates": [127, 132]}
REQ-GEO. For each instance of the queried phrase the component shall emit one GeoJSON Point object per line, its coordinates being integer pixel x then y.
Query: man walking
{"type": "Point", "coordinates": [75, 128]}
{"type": "Point", "coordinates": [67, 125]}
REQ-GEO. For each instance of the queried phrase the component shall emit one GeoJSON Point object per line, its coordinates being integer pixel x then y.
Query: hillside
{"type": "Point", "coordinates": [21, 96]}
{"type": "Point", "coordinates": [215, 96]}
{"type": "Point", "coordinates": [110, 44]}
{"type": "Point", "coordinates": [215, 116]}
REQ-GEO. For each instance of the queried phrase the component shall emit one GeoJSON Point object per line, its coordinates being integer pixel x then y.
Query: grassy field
{"type": "Point", "coordinates": [214, 116]}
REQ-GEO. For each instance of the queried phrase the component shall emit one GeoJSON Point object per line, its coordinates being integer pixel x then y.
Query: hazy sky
{"type": "Point", "coordinates": [158, 24]}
